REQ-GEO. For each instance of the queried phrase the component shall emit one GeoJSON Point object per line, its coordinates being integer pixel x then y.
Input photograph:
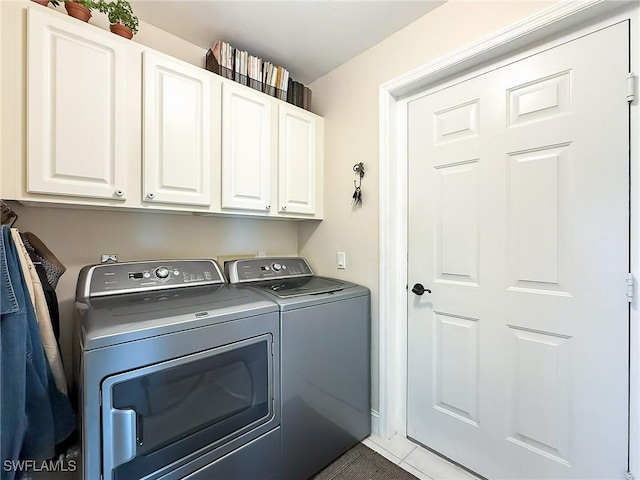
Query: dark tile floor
{"type": "Point", "coordinates": [359, 463]}
{"type": "Point", "coordinates": [362, 463]}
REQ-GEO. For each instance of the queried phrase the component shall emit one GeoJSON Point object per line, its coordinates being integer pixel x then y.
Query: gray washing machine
{"type": "Point", "coordinates": [178, 374]}
{"type": "Point", "coordinates": [325, 353]}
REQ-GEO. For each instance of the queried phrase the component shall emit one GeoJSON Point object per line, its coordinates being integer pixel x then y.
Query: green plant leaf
{"type": "Point", "coordinates": [118, 11]}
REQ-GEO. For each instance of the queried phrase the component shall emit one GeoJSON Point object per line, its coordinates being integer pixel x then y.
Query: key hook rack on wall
{"type": "Point", "coordinates": [358, 168]}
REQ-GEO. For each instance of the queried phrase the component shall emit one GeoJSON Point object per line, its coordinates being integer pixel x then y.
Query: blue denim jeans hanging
{"type": "Point", "coordinates": [34, 415]}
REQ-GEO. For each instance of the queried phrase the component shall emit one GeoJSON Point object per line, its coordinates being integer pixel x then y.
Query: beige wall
{"type": "Point", "coordinates": [348, 99]}
{"type": "Point", "coordinates": [153, 37]}
{"type": "Point", "coordinates": [78, 237]}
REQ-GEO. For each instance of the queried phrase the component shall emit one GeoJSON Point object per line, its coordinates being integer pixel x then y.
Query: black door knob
{"type": "Point", "coordinates": [419, 289]}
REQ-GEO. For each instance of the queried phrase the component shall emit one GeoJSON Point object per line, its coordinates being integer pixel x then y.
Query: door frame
{"type": "Point", "coordinates": [563, 20]}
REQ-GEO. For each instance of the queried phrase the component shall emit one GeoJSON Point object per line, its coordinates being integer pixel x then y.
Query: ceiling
{"type": "Point", "coordinates": [308, 37]}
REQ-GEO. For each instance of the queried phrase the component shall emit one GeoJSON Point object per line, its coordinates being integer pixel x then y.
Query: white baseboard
{"type": "Point", "coordinates": [375, 423]}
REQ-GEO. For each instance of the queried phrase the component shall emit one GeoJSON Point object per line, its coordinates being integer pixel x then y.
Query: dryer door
{"type": "Point", "coordinates": [156, 416]}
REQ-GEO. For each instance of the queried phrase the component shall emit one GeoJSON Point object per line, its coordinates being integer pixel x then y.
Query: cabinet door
{"type": "Point", "coordinates": [177, 132]}
{"type": "Point", "coordinates": [246, 149]}
{"type": "Point", "coordinates": [296, 161]}
{"type": "Point", "coordinates": [76, 110]}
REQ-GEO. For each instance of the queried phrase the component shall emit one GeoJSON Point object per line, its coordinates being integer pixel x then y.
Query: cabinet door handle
{"type": "Point", "coordinates": [268, 207]}
{"type": "Point", "coordinates": [151, 195]}
{"type": "Point", "coordinates": [119, 193]}
{"type": "Point", "coordinates": [284, 207]}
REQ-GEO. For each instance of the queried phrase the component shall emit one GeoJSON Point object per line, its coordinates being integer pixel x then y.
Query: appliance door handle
{"type": "Point", "coordinates": [123, 436]}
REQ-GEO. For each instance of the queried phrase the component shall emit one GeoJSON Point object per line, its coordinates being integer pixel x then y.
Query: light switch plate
{"type": "Point", "coordinates": [341, 260]}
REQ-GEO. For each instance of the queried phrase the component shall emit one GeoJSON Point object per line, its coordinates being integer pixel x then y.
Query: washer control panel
{"type": "Point", "coordinates": [130, 277]}
{"type": "Point", "coordinates": [256, 269]}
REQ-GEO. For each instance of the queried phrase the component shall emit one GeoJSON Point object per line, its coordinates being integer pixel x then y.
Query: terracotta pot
{"type": "Point", "coordinates": [42, 2]}
{"type": "Point", "coordinates": [121, 30]}
{"type": "Point", "coordinates": [78, 11]}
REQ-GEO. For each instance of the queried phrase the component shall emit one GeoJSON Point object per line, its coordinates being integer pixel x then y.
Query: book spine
{"type": "Point", "coordinates": [290, 91]}
{"type": "Point", "coordinates": [239, 65]}
{"type": "Point", "coordinates": [306, 98]}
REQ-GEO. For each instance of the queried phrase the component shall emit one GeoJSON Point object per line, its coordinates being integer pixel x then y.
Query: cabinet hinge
{"type": "Point", "coordinates": [630, 287]}
{"type": "Point", "coordinates": [628, 476]}
{"type": "Point", "coordinates": [631, 87]}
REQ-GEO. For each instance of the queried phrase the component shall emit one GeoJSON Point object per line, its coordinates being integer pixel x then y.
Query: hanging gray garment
{"type": "Point", "coordinates": [53, 271]}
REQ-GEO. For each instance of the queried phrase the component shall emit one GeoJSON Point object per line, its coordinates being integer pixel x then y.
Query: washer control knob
{"type": "Point", "coordinates": [276, 267]}
{"type": "Point", "coordinates": [162, 272]}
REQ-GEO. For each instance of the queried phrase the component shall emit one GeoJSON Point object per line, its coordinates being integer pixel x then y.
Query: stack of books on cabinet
{"type": "Point", "coordinates": [242, 67]}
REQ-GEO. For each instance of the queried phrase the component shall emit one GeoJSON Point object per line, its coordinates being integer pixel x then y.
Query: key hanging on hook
{"type": "Point", "coordinates": [358, 168]}
{"type": "Point", "coordinates": [357, 196]}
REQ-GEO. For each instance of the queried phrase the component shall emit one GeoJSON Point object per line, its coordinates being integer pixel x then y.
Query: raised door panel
{"type": "Point", "coordinates": [246, 149]}
{"type": "Point", "coordinates": [76, 110]}
{"type": "Point", "coordinates": [177, 132]}
{"type": "Point", "coordinates": [296, 161]}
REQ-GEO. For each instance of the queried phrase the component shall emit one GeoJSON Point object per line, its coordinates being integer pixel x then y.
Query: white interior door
{"type": "Point", "coordinates": [519, 226]}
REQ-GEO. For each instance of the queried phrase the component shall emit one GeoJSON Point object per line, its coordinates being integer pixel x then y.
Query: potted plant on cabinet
{"type": "Point", "coordinates": [123, 21]}
{"type": "Point", "coordinates": [80, 9]}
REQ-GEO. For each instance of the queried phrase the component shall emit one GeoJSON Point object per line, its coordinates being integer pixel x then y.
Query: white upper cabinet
{"type": "Point", "coordinates": [246, 149]}
{"type": "Point", "coordinates": [110, 122]}
{"type": "Point", "coordinates": [177, 132]}
{"type": "Point", "coordinates": [76, 109]}
{"type": "Point", "coordinates": [296, 161]}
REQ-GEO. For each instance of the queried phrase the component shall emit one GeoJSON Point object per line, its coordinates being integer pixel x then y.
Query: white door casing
{"type": "Point", "coordinates": [521, 232]}
{"type": "Point", "coordinates": [296, 161]}
{"type": "Point", "coordinates": [177, 132]}
{"type": "Point", "coordinates": [247, 126]}
{"type": "Point", "coordinates": [77, 128]}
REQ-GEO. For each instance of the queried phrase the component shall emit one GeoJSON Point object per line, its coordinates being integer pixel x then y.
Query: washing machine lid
{"type": "Point", "coordinates": [111, 320]}
{"type": "Point", "coordinates": [295, 287]}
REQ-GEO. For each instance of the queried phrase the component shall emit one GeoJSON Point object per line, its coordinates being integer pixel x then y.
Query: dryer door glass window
{"type": "Point", "coordinates": [175, 408]}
